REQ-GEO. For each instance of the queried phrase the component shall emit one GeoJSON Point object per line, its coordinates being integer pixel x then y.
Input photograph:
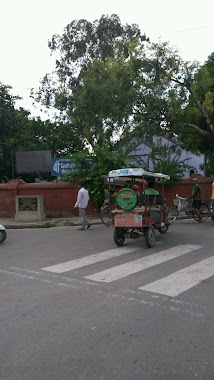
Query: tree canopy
{"type": "Point", "coordinates": [110, 80]}
{"type": "Point", "coordinates": [199, 113]}
{"type": "Point", "coordinates": [110, 83]}
{"type": "Point", "coordinates": [94, 82]}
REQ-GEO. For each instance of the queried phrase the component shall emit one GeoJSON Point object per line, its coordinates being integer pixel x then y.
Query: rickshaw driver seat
{"type": "Point", "coordinates": [156, 203]}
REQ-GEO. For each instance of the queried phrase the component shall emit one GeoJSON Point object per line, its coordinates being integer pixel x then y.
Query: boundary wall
{"type": "Point", "coordinates": [60, 197]}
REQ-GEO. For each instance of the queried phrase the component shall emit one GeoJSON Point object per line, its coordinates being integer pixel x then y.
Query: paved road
{"type": "Point", "coordinates": [75, 306]}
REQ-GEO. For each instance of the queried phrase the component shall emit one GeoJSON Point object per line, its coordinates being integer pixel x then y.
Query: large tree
{"type": "Point", "coordinates": [176, 98]}
{"type": "Point", "coordinates": [110, 80]}
{"type": "Point", "coordinates": [199, 113]}
{"type": "Point", "coordinates": [94, 81]}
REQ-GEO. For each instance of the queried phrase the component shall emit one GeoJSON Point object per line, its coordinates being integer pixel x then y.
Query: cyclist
{"type": "Point", "coordinates": [196, 198]}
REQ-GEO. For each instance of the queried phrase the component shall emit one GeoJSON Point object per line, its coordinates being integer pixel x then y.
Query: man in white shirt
{"type": "Point", "coordinates": [82, 203]}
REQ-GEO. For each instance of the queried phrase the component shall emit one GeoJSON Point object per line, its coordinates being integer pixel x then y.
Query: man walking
{"type": "Point", "coordinates": [82, 203]}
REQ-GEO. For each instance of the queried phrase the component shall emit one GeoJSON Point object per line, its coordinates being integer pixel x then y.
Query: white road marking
{"type": "Point", "coordinates": [88, 260]}
{"type": "Point", "coordinates": [135, 266]}
{"type": "Point", "coordinates": [182, 280]}
{"type": "Point", "coordinates": [123, 296]}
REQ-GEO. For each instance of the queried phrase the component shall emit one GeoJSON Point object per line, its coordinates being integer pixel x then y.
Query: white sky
{"type": "Point", "coordinates": [27, 25]}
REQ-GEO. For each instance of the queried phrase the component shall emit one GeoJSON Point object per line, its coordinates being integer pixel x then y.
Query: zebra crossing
{"type": "Point", "coordinates": [135, 266]}
{"type": "Point", "coordinates": [171, 285]}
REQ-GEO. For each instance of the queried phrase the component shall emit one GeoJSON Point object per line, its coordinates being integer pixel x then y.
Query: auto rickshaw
{"type": "Point", "coordinates": [138, 214]}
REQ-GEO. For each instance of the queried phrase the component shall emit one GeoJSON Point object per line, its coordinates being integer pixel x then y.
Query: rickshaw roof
{"type": "Point", "coordinates": [137, 172]}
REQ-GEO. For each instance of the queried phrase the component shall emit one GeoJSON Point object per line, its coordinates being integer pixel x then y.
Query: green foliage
{"type": "Point", "coordinates": [103, 111]}
{"type": "Point", "coordinates": [12, 130]}
{"type": "Point", "coordinates": [19, 132]}
{"type": "Point", "coordinates": [109, 81]}
{"type": "Point", "coordinates": [90, 167]}
{"type": "Point", "coordinates": [94, 83]}
{"type": "Point", "coordinates": [199, 114]}
{"type": "Point", "coordinates": [60, 138]}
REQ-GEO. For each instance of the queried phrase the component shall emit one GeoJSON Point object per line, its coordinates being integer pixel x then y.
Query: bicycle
{"type": "Point", "coordinates": [181, 204]}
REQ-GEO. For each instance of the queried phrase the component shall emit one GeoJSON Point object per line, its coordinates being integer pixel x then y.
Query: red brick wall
{"type": "Point", "coordinates": [59, 197]}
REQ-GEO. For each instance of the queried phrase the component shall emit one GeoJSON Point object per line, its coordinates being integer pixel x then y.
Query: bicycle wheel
{"type": "Point", "coordinates": [172, 214]}
{"type": "Point", "coordinates": [204, 210]}
{"type": "Point", "coordinates": [106, 216]}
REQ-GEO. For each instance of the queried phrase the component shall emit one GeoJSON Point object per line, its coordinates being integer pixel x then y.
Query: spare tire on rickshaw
{"type": "Point", "coordinates": [127, 199]}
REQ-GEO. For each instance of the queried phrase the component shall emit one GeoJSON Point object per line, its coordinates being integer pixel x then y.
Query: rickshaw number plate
{"type": "Point", "coordinates": [128, 219]}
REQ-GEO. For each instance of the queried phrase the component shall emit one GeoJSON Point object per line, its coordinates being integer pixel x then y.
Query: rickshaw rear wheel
{"type": "Point", "coordinates": [164, 229]}
{"type": "Point", "coordinates": [150, 236]}
{"type": "Point", "coordinates": [119, 236]}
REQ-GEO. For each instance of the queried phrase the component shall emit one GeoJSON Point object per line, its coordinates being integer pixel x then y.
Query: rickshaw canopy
{"type": "Point", "coordinates": [130, 173]}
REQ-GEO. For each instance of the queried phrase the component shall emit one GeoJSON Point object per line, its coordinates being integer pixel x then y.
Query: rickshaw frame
{"type": "Point", "coordinates": [148, 216]}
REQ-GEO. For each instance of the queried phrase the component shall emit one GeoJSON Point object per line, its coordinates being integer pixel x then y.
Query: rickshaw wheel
{"type": "Point", "coordinates": [164, 229]}
{"type": "Point", "coordinates": [119, 236]}
{"type": "Point", "coordinates": [150, 236]}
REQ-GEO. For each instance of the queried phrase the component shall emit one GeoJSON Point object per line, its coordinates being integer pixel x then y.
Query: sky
{"type": "Point", "coordinates": [27, 25]}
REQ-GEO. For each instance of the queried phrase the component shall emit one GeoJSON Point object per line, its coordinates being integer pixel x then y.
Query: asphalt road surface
{"type": "Point", "coordinates": [75, 306]}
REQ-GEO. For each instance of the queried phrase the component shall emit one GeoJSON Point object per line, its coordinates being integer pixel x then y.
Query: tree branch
{"type": "Point", "coordinates": [196, 128]}
{"type": "Point", "coordinates": [187, 85]}
{"type": "Point", "coordinates": [204, 113]}
{"type": "Point", "coordinates": [179, 82]}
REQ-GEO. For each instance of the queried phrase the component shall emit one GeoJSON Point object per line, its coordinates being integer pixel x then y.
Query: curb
{"type": "Point", "coordinates": [44, 225]}
{"type": "Point", "coordinates": [55, 224]}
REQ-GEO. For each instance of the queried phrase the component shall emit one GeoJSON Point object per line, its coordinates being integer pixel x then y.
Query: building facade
{"type": "Point", "coordinates": [142, 151]}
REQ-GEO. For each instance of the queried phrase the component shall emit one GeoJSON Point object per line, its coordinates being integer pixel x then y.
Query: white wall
{"type": "Point", "coordinates": [142, 151]}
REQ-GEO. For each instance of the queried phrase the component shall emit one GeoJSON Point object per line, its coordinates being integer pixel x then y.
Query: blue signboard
{"type": "Point", "coordinates": [60, 166]}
